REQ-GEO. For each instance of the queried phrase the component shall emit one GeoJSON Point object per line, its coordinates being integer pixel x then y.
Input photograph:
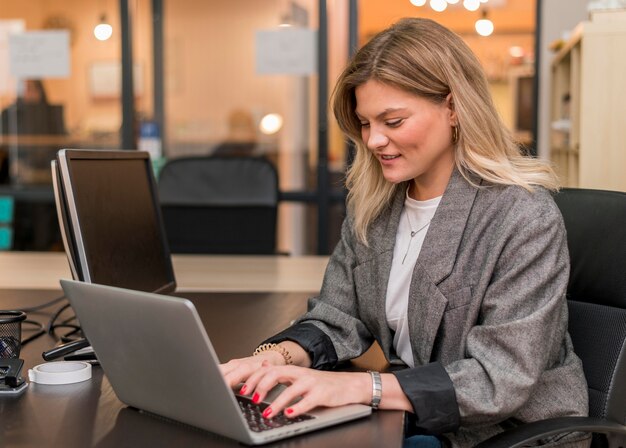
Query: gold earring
{"type": "Point", "coordinates": [455, 134]}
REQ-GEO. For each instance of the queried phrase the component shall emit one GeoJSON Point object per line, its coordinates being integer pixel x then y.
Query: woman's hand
{"type": "Point", "coordinates": [237, 371]}
{"type": "Point", "coordinates": [316, 388]}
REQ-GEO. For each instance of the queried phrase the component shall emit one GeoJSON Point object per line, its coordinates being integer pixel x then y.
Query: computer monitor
{"type": "Point", "coordinates": [111, 221]}
{"type": "Point", "coordinates": [67, 236]}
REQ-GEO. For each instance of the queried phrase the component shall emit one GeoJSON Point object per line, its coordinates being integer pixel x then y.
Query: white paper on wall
{"type": "Point", "coordinates": [105, 79]}
{"type": "Point", "coordinates": [286, 51]}
{"type": "Point", "coordinates": [40, 54]}
{"type": "Point", "coordinates": [7, 27]}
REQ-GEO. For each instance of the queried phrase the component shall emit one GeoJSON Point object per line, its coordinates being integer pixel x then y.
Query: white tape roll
{"type": "Point", "coordinates": [60, 372]}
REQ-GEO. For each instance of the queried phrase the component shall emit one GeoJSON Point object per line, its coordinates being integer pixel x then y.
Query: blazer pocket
{"type": "Point", "coordinates": [450, 344]}
{"type": "Point", "coordinates": [459, 298]}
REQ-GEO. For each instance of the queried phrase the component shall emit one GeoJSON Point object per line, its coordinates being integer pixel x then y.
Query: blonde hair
{"type": "Point", "coordinates": [426, 59]}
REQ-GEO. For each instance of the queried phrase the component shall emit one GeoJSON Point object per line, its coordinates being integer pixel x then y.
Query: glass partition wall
{"type": "Point", "coordinates": [199, 77]}
{"type": "Point", "coordinates": [59, 87]}
{"type": "Point", "coordinates": [240, 78]}
{"type": "Point", "coordinates": [208, 77]}
{"type": "Point", "coordinates": [247, 77]}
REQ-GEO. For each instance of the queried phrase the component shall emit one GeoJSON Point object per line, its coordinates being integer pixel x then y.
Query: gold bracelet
{"type": "Point", "coordinates": [274, 347]}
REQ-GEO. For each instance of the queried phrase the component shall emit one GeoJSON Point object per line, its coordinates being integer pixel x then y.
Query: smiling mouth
{"type": "Point", "coordinates": [384, 157]}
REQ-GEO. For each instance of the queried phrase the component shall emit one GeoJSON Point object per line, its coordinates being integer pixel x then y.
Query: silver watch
{"type": "Point", "coordinates": [377, 389]}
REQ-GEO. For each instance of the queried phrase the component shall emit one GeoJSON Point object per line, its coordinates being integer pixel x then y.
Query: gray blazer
{"type": "Point", "coordinates": [487, 312]}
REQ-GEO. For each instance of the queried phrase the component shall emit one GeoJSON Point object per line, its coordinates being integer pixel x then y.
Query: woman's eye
{"type": "Point", "coordinates": [365, 125]}
{"type": "Point", "coordinates": [394, 123]}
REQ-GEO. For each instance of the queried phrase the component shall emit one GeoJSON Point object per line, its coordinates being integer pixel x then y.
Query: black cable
{"type": "Point", "coordinates": [66, 324]}
{"type": "Point", "coordinates": [51, 325]}
{"type": "Point", "coordinates": [66, 337]}
{"type": "Point", "coordinates": [44, 305]}
{"type": "Point", "coordinates": [40, 331]}
{"type": "Point", "coordinates": [69, 319]}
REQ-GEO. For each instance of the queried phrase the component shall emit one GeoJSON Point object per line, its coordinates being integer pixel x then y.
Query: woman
{"type": "Point", "coordinates": [453, 258]}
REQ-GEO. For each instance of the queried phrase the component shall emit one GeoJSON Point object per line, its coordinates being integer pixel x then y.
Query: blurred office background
{"type": "Point", "coordinates": [202, 77]}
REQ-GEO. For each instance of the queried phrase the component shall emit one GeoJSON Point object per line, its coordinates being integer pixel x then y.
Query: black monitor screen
{"type": "Point", "coordinates": [115, 219]}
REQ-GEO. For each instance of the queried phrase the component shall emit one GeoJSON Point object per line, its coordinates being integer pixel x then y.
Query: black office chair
{"type": "Point", "coordinates": [219, 205]}
{"type": "Point", "coordinates": [596, 235]}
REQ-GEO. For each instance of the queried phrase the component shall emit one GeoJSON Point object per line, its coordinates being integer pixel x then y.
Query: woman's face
{"type": "Point", "coordinates": [410, 136]}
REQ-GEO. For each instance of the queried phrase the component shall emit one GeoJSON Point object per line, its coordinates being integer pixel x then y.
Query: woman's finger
{"type": "Point", "coordinates": [250, 386]}
{"type": "Point", "coordinates": [308, 403]}
{"type": "Point", "coordinates": [265, 379]}
{"type": "Point", "coordinates": [240, 371]}
{"type": "Point", "coordinates": [286, 398]}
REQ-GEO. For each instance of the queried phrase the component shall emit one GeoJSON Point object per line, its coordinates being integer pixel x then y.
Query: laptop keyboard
{"type": "Point", "coordinates": [257, 423]}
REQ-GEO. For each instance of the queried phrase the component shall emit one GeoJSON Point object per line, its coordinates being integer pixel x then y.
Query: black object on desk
{"type": "Point", "coordinates": [64, 349]}
{"type": "Point", "coordinates": [11, 383]}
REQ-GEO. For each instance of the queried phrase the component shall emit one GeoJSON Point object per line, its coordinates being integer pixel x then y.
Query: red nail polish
{"type": "Point", "coordinates": [267, 412]}
{"type": "Point", "coordinates": [256, 398]}
{"type": "Point", "coordinates": [243, 389]}
{"type": "Point", "coordinates": [288, 411]}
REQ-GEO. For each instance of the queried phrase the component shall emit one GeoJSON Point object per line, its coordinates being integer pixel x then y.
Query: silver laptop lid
{"type": "Point", "coordinates": [157, 356]}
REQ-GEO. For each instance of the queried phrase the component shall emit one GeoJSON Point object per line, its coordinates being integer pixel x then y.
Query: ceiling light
{"type": "Point", "coordinates": [271, 124]}
{"type": "Point", "coordinates": [103, 30]}
{"type": "Point", "coordinates": [471, 5]}
{"type": "Point", "coordinates": [484, 26]}
{"type": "Point", "coordinates": [453, 2]}
{"type": "Point", "coordinates": [438, 5]}
{"type": "Point", "coordinates": [418, 2]}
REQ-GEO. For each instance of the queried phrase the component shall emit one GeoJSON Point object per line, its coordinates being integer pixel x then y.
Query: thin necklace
{"type": "Point", "coordinates": [413, 233]}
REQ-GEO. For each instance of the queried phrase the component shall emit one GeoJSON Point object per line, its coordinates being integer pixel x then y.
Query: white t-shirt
{"type": "Point", "coordinates": [415, 217]}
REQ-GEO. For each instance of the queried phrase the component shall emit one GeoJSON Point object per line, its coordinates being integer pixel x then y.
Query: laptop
{"type": "Point", "coordinates": [158, 358]}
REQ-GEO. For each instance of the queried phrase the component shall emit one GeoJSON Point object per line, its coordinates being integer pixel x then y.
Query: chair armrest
{"type": "Point", "coordinates": [524, 434]}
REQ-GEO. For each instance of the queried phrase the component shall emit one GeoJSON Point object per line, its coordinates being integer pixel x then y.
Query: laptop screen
{"type": "Point", "coordinates": [114, 220]}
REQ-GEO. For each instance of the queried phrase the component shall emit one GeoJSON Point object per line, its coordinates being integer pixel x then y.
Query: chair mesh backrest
{"type": "Point", "coordinates": [595, 221]}
{"type": "Point", "coordinates": [228, 181]}
{"type": "Point", "coordinates": [219, 205]}
{"type": "Point", "coordinates": [598, 334]}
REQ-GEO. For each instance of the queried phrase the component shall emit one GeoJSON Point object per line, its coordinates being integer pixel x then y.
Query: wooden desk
{"type": "Point", "coordinates": [42, 270]}
{"type": "Point", "coordinates": [89, 414]}
{"type": "Point", "coordinates": [43, 141]}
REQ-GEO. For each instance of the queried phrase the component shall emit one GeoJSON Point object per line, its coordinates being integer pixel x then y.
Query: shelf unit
{"type": "Point", "coordinates": [588, 105]}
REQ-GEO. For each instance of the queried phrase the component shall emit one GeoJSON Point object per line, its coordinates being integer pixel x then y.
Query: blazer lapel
{"type": "Point", "coordinates": [435, 262]}
{"type": "Point", "coordinates": [425, 310]}
{"type": "Point", "coordinates": [382, 238]}
{"type": "Point", "coordinates": [446, 230]}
